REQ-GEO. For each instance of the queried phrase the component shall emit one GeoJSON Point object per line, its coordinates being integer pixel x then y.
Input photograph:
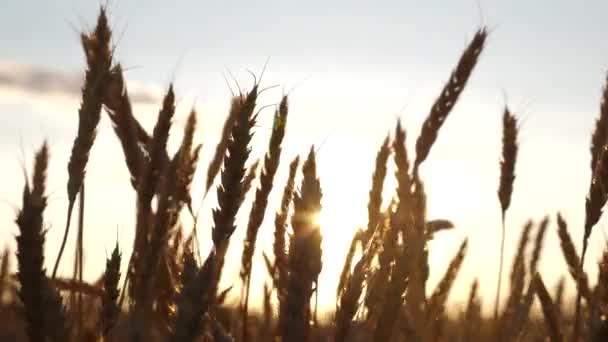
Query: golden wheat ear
{"type": "Point", "coordinates": [448, 97]}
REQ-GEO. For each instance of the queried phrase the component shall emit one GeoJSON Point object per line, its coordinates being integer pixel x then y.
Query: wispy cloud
{"type": "Point", "coordinates": [43, 80]}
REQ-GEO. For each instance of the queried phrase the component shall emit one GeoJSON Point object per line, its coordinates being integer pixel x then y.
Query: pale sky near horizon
{"type": "Point", "coordinates": [353, 68]}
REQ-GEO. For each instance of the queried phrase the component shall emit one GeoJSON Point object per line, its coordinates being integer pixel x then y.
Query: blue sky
{"type": "Point", "coordinates": [353, 68]}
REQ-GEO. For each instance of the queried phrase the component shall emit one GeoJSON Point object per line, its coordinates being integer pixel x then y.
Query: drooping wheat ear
{"type": "Point", "coordinates": [505, 188]}
{"type": "Point", "coordinates": [41, 302]}
{"type": "Point", "coordinates": [472, 314]}
{"type": "Point", "coordinates": [280, 230]}
{"type": "Point", "coordinates": [194, 300]}
{"type": "Point", "coordinates": [150, 178]}
{"type": "Point", "coordinates": [230, 191]}
{"type": "Point", "coordinates": [538, 245]}
{"type": "Point", "coordinates": [222, 145]}
{"type": "Point", "coordinates": [550, 312]}
{"type": "Point", "coordinates": [436, 303]}
{"type": "Point", "coordinates": [304, 259]}
{"type": "Point", "coordinates": [572, 258]}
{"type": "Point", "coordinates": [374, 206]}
{"type": "Point", "coordinates": [600, 134]}
{"type": "Point", "coordinates": [260, 202]}
{"type": "Point", "coordinates": [109, 301]}
{"type": "Point", "coordinates": [98, 54]}
{"type": "Point", "coordinates": [449, 95]}
{"type": "Point", "coordinates": [125, 125]}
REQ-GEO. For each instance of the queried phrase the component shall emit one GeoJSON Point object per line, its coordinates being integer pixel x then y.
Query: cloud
{"type": "Point", "coordinates": [43, 80]}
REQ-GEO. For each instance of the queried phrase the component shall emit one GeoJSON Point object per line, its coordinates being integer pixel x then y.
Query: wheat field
{"type": "Point", "coordinates": [164, 286]}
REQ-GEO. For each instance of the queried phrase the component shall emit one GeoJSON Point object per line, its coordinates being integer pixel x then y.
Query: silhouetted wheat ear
{"type": "Point", "coordinates": [600, 134]}
{"type": "Point", "coordinates": [304, 258]}
{"type": "Point", "coordinates": [550, 312]}
{"type": "Point", "coordinates": [346, 268]}
{"type": "Point", "coordinates": [194, 301]}
{"type": "Point", "coordinates": [44, 312]}
{"type": "Point", "coordinates": [150, 177]}
{"type": "Point", "coordinates": [472, 314]}
{"type": "Point", "coordinates": [126, 127]}
{"type": "Point", "coordinates": [402, 164]}
{"type": "Point", "coordinates": [538, 245]}
{"type": "Point", "coordinates": [375, 193]}
{"type": "Point", "coordinates": [597, 325]}
{"type": "Point", "coordinates": [258, 208]}
{"type": "Point", "coordinates": [449, 95]}
{"type": "Point", "coordinates": [280, 230]}
{"type": "Point", "coordinates": [221, 147]}
{"type": "Point", "coordinates": [4, 272]}
{"type": "Point", "coordinates": [250, 176]}
{"type": "Point", "coordinates": [572, 258]}
{"type": "Point", "coordinates": [98, 54]}
{"type": "Point", "coordinates": [508, 160]}
{"type": "Point", "coordinates": [184, 165]}
{"type": "Point", "coordinates": [109, 301]}
{"type": "Point", "coordinates": [348, 298]}
{"type": "Point", "coordinates": [436, 303]}
{"type": "Point", "coordinates": [230, 189]}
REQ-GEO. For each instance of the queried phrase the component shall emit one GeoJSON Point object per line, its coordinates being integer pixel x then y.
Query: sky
{"type": "Point", "coordinates": [352, 69]}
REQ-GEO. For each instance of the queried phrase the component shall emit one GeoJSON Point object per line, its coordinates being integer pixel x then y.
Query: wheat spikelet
{"type": "Point", "coordinates": [505, 188]}
{"type": "Point", "coordinates": [44, 312]}
{"type": "Point", "coordinates": [258, 208]}
{"type": "Point", "coordinates": [600, 134]}
{"type": "Point", "coordinates": [348, 298]}
{"type": "Point", "coordinates": [109, 301]}
{"type": "Point", "coordinates": [597, 325]}
{"type": "Point", "coordinates": [230, 191]}
{"type": "Point", "coordinates": [538, 244]}
{"type": "Point", "coordinates": [550, 312]}
{"type": "Point", "coordinates": [350, 254]}
{"type": "Point", "coordinates": [4, 273]}
{"type": "Point", "coordinates": [375, 193]}
{"type": "Point", "coordinates": [572, 258]}
{"type": "Point", "coordinates": [280, 230]}
{"type": "Point", "coordinates": [436, 302]}
{"type": "Point", "coordinates": [96, 46]}
{"type": "Point", "coordinates": [449, 95]}
{"type": "Point", "coordinates": [304, 258]}
{"type": "Point", "coordinates": [146, 190]}
{"type": "Point", "coordinates": [126, 127]}
{"type": "Point", "coordinates": [194, 300]}
{"type": "Point", "coordinates": [222, 145]}
{"type": "Point", "coordinates": [472, 314]}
